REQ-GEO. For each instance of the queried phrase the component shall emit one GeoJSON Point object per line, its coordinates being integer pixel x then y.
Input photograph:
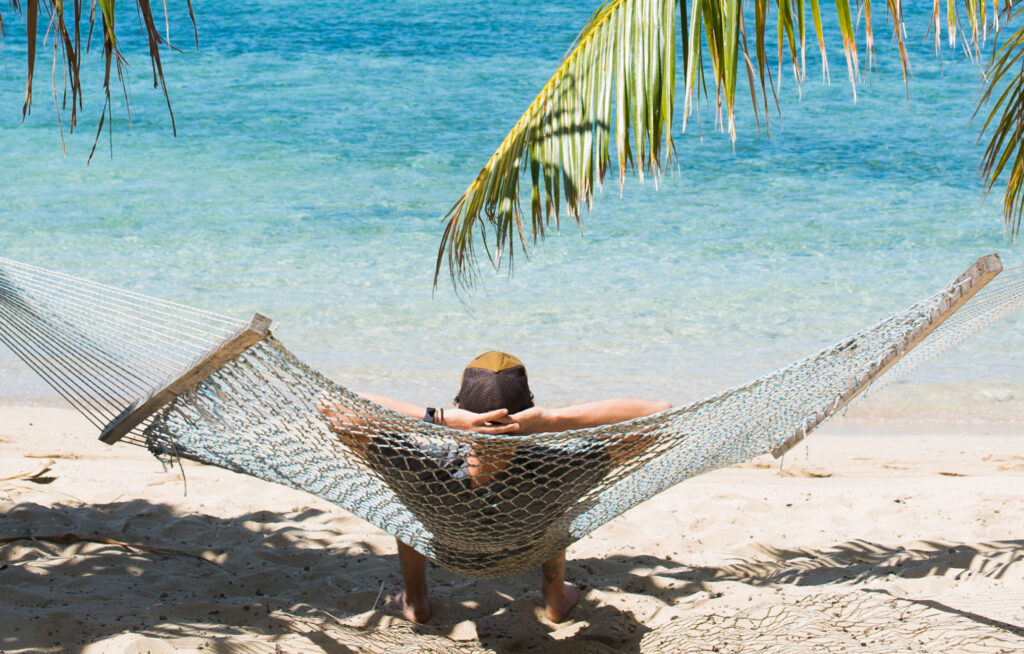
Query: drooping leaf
{"type": "Point", "coordinates": [623, 60]}
{"type": "Point", "coordinates": [1005, 150]}
{"type": "Point", "coordinates": [67, 50]}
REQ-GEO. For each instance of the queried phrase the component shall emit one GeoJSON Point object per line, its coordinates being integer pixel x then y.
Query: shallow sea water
{"type": "Point", "coordinates": [319, 147]}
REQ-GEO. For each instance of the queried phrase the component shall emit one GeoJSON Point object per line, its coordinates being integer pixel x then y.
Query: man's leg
{"type": "Point", "coordinates": [559, 597]}
{"type": "Point", "coordinates": [412, 599]}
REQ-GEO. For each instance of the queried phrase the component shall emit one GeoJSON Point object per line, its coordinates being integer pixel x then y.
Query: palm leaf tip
{"type": "Point", "coordinates": [1004, 154]}
{"type": "Point", "coordinates": [622, 60]}
{"type": "Point", "coordinates": [617, 85]}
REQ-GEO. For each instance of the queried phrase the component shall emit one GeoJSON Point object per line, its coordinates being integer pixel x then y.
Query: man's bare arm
{"type": "Point", "coordinates": [594, 414]}
{"type": "Point", "coordinates": [581, 416]}
{"type": "Point", "coordinates": [347, 424]}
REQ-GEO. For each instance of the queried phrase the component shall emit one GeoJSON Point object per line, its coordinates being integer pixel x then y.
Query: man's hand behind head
{"type": "Point", "coordinates": [492, 422]}
{"type": "Point", "coordinates": [535, 420]}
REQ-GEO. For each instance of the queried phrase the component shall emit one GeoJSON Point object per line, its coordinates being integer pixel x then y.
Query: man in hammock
{"type": "Point", "coordinates": [507, 488]}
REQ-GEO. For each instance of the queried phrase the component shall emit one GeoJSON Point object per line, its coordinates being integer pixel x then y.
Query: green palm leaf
{"type": "Point", "coordinates": [624, 58]}
{"type": "Point", "coordinates": [624, 61]}
{"type": "Point", "coordinates": [1005, 150]}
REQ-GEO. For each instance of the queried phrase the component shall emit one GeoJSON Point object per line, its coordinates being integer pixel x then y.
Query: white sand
{"type": "Point", "coordinates": [886, 537]}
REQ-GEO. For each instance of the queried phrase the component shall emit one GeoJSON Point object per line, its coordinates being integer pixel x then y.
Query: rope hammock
{"type": "Point", "coordinates": [188, 383]}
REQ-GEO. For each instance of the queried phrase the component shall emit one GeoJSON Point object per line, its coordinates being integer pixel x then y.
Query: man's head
{"type": "Point", "coordinates": [494, 380]}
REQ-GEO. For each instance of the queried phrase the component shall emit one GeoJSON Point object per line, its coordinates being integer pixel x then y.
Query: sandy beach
{"type": "Point", "coordinates": [875, 537]}
{"type": "Point", "coordinates": [357, 173]}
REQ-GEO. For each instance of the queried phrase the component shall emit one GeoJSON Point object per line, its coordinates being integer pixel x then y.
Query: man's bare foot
{"type": "Point", "coordinates": [411, 596]}
{"type": "Point", "coordinates": [414, 609]}
{"type": "Point", "coordinates": [557, 605]}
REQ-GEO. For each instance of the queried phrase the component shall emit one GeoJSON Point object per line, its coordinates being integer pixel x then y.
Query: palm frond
{"type": "Point", "coordinates": [67, 50]}
{"type": "Point", "coordinates": [623, 58]}
{"type": "Point", "coordinates": [624, 61]}
{"type": "Point", "coordinates": [1006, 119]}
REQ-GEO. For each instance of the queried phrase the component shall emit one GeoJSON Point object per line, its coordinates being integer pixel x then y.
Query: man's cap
{"type": "Point", "coordinates": [495, 380]}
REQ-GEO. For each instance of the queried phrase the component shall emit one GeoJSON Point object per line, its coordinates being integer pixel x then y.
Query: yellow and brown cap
{"type": "Point", "coordinates": [495, 380]}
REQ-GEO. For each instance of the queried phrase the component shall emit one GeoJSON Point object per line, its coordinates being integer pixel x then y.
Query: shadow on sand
{"type": "Point", "coordinates": [74, 575]}
{"type": "Point", "coordinates": [78, 575]}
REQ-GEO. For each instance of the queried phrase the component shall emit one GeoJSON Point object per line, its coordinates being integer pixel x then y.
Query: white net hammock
{"type": "Point", "coordinates": [188, 383]}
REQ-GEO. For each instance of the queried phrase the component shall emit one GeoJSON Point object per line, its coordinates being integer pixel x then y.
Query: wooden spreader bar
{"type": "Point", "coordinates": [257, 329]}
{"type": "Point", "coordinates": [966, 285]}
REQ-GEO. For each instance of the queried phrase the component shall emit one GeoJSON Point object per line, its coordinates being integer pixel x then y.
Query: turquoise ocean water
{"type": "Point", "coordinates": [319, 146]}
